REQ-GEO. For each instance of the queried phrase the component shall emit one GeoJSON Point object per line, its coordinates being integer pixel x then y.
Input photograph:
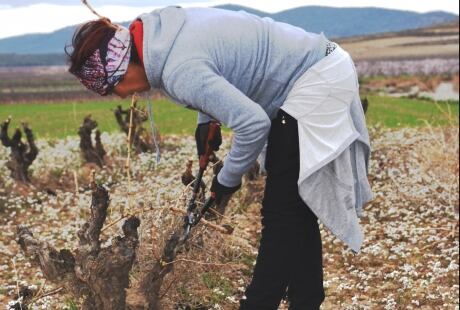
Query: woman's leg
{"type": "Point", "coordinates": [270, 277]}
{"type": "Point", "coordinates": [305, 288]}
{"type": "Point", "coordinates": [288, 252]}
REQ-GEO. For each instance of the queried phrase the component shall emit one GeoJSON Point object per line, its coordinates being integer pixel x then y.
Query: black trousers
{"type": "Point", "coordinates": [290, 252]}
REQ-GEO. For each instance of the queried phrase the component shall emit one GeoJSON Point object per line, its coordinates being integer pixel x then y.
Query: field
{"type": "Point", "coordinates": [58, 120]}
{"type": "Point", "coordinates": [409, 260]}
{"type": "Point", "coordinates": [433, 42]}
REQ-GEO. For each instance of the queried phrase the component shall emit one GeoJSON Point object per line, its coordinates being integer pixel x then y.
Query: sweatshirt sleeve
{"type": "Point", "coordinates": [203, 118]}
{"type": "Point", "coordinates": [197, 83]}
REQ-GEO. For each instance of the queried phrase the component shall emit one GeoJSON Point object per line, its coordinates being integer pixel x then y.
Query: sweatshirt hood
{"type": "Point", "coordinates": [161, 28]}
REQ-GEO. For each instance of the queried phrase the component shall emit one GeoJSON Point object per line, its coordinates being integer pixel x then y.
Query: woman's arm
{"type": "Point", "coordinates": [198, 83]}
{"type": "Point", "coordinates": [204, 118]}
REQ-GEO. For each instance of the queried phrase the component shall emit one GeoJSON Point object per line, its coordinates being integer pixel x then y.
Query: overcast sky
{"type": "Point", "coordinates": [49, 15]}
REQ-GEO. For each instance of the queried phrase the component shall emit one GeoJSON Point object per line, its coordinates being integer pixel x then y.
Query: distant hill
{"type": "Point", "coordinates": [334, 22]}
{"type": "Point", "coordinates": [350, 22]}
{"type": "Point", "coordinates": [46, 43]}
{"type": "Point", "coordinates": [346, 22]}
{"type": "Point", "coordinates": [26, 60]}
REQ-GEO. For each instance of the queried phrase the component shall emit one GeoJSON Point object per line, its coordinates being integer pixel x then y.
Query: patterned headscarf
{"type": "Point", "coordinates": [106, 67]}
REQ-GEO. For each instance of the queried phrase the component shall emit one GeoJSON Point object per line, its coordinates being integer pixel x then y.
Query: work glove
{"type": "Point", "coordinates": [221, 192]}
{"type": "Point", "coordinates": [201, 137]}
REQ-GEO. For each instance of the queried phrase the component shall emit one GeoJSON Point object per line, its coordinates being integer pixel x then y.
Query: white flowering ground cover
{"type": "Point", "coordinates": [428, 66]}
{"type": "Point", "coordinates": [409, 260]}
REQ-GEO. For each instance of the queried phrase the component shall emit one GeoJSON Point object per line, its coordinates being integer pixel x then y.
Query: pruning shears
{"type": "Point", "coordinates": [193, 218]}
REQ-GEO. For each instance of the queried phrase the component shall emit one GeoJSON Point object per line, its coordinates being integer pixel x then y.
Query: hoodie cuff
{"type": "Point", "coordinates": [228, 179]}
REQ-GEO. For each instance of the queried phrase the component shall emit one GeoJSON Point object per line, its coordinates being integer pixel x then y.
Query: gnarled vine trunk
{"type": "Point", "coordinates": [91, 153]}
{"type": "Point", "coordinates": [139, 136]}
{"type": "Point", "coordinates": [22, 154]}
{"type": "Point", "coordinates": [98, 276]}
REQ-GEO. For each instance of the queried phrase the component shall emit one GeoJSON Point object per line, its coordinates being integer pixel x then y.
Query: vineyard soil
{"type": "Point", "coordinates": [409, 259]}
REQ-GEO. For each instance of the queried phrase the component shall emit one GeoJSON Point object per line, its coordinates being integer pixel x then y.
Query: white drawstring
{"type": "Point", "coordinates": [153, 130]}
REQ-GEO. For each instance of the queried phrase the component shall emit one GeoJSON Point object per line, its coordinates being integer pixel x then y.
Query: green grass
{"type": "Point", "coordinates": [57, 120]}
{"type": "Point", "coordinates": [402, 112]}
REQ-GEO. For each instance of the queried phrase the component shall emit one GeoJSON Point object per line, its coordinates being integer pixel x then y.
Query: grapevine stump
{"type": "Point", "coordinates": [139, 137]}
{"type": "Point", "coordinates": [22, 154]}
{"type": "Point", "coordinates": [97, 275]}
{"type": "Point", "coordinates": [91, 153]}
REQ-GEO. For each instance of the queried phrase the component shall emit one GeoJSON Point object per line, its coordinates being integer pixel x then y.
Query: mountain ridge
{"type": "Point", "coordinates": [347, 22]}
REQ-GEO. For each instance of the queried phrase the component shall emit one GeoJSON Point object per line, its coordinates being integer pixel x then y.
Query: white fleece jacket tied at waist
{"type": "Point", "coordinates": [320, 101]}
{"type": "Point", "coordinates": [333, 164]}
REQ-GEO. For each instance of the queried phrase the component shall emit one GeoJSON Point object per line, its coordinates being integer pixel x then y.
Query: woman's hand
{"type": "Point", "coordinates": [219, 191]}
{"type": "Point", "coordinates": [201, 138]}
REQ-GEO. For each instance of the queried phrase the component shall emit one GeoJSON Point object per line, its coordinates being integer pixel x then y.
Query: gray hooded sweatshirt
{"type": "Point", "coordinates": [234, 67]}
{"type": "Point", "coordinates": [238, 68]}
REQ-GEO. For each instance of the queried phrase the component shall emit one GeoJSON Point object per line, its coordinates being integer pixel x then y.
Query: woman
{"type": "Point", "coordinates": [270, 83]}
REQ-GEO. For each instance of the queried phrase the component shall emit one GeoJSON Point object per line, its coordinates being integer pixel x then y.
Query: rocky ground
{"type": "Point", "coordinates": [409, 260]}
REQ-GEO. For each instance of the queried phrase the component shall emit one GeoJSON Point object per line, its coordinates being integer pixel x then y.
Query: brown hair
{"type": "Point", "coordinates": [86, 39]}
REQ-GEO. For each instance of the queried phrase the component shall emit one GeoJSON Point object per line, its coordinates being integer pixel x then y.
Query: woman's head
{"type": "Point", "coordinates": [105, 60]}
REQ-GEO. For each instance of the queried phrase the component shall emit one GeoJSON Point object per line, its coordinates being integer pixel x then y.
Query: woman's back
{"type": "Point", "coordinates": [260, 57]}
{"type": "Point", "coordinates": [232, 66]}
